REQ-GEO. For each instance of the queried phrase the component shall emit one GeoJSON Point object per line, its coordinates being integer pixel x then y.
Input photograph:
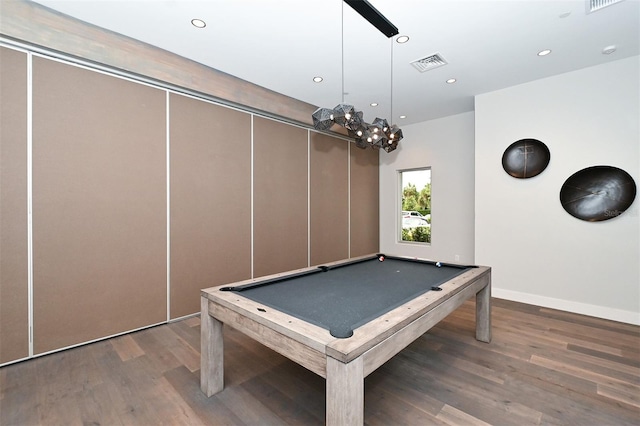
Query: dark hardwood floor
{"type": "Point", "coordinates": [542, 367]}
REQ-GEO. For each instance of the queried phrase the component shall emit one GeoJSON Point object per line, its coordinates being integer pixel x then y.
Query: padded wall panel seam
{"type": "Point", "coordinates": [280, 197]}
{"type": "Point", "coordinates": [99, 205]}
{"type": "Point", "coordinates": [329, 198]}
{"type": "Point", "coordinates": [364, 206]}
{"type": "Point", "coordinates": [14, 303]}
{"type": "Point", "coordinates": [210, 199]}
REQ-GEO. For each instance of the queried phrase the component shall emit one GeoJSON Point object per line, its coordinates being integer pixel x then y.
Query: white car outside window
{"type": "Point", "coordinates": [409, 221]}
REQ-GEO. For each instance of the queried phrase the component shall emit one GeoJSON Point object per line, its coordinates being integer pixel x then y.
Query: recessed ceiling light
{"type": "Point", "coordinates": [451, 80]}
{"type": "Point", "coordinates": [544, 52]}
{"type": "Point", "coordinates": [317, 79]}
{"type": "Point", "coordinates": [608, 50]}
{"type": "Point", "coordinates": [402, 39]}
{"type": "Point", "coordinates": [198, 23]}
{"type": "Point", "coordinates": [374, 104]}
{"type": "Point", "coordinates": [403, 116]}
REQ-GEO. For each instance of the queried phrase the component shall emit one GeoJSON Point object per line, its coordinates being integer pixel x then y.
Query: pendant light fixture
{"type": "Point", "coordinates": [378, 134]}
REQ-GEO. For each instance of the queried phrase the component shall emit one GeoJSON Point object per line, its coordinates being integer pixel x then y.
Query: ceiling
{"type": "Point", "coordinates": [283, 44]}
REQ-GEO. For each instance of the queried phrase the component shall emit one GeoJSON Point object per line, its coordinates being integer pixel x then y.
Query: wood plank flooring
{"type": "Point", "coordinates": [542, 367]}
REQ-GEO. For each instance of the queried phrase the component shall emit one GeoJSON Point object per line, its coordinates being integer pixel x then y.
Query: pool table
{"type": "Point", "coordinates": [341, 320]}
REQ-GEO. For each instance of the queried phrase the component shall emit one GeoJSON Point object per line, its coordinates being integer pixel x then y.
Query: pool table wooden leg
{"type": "Point", "coordinates": [345, 392]}
{"type": "Point", "coordinates": [483, 314]}
{"type": "Point", "coordinates": [211, 351]}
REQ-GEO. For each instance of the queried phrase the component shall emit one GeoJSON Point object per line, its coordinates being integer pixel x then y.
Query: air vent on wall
{"type": "Point", "coordinates": [430, 62]}
{"type": "Point", "coordinates": [595, 5]}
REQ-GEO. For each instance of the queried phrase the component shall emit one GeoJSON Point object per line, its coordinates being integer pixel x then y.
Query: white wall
{"type": "Point", "coordinates": [539, 253]}
{"type": "Point", "coordinates": [445, 145]}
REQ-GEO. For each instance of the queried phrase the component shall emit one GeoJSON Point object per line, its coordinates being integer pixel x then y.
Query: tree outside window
{"type": "Point", "coordinates": [415, 223]}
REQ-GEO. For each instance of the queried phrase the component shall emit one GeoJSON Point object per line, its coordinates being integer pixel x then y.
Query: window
{"type": "Point", "coordinates": [415, 201]}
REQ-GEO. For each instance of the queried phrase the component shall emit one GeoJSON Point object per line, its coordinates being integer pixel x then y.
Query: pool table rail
{"type": "Point", "coordinates": [294, 338]}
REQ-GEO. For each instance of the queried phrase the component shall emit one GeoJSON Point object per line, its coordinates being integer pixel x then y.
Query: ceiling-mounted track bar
{"type": "Point", "coordinates": [371, 14]}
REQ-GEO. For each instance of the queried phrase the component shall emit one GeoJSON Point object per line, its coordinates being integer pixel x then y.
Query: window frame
{"type": "Point", "coordinates": [399, 205]}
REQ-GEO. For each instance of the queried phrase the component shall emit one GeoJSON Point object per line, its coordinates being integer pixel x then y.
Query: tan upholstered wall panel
{"type": "Point", "coordinates": [364, 193]}
{"type": "Point", "coordinates": [329, 198]}
{"type": "Point", "coordinates": [14, 304]}
{"type": "Point", "coordinates": [210, 199]}
{"type": "Point", "coordinates": [99, 205]}
{"type": "Point", "coordinates": [280, 188]}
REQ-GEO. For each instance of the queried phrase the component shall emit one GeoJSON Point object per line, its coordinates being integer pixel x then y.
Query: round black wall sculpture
{"type": "Point", "coordinates": [525, 158]}
{"type": "Point", "coordinates": [598, 193]}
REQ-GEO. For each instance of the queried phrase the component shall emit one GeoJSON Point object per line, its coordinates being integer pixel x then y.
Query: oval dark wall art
{"type": "Point", "coordinates": [526, 158]}
{"type": "Point", "coordinates": [598, 193]}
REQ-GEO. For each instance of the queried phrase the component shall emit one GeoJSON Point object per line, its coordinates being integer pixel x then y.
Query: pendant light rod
{"type": "Point", "coordinates": [375, 18]}
{"type": "Point", "coordinates": [342, 51]}
{"type": "Point", "coordinates": [391, 78]}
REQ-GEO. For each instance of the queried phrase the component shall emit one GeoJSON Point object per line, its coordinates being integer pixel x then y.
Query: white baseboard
{"type": "Point", "coordinates": [628, 317]}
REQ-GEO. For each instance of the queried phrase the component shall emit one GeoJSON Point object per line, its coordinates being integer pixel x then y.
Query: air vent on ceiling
{"type": "Point", "coordinates": [595, 5]}
{"type": "Point", "coordinates": [430, 62]}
